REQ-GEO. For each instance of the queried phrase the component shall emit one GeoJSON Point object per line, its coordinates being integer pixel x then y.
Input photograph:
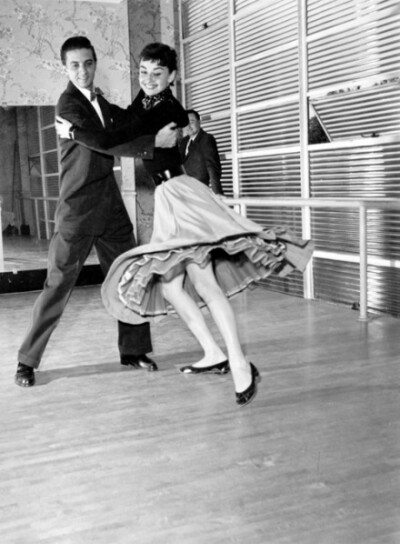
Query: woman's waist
{"type": "Point", "coordinates": [166, 163]}
{"type": "Point", "coordinates": [168, 173]}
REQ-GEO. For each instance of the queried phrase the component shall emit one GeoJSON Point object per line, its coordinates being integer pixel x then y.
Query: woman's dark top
{"type": "Point", "coordinates": [166, 109]}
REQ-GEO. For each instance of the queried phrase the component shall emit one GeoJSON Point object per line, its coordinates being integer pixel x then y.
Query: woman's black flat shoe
{"type": "Point", "coordinates": [248, 394]}
{"type": "Point", "coordinates": [219, 368]}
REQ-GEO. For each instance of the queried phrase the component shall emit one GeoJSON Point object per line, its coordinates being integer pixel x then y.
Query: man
{"type": "Point", "coordinates": [90, 212]}
{"type": "Point", "coordinates": [200, 155]}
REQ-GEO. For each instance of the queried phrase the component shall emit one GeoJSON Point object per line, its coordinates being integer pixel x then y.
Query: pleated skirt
{"type": "Point", "coordinates": [193, 225]}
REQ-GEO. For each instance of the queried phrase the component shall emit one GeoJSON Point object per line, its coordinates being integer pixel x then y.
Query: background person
{"type": "Point", "coordinates": [200, 155]}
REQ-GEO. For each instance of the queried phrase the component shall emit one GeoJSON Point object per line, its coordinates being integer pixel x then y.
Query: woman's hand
{"type": "Point", "coordinates": [63, 127]}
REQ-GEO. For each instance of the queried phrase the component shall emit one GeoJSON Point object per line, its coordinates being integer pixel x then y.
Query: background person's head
{"type": "Point", "coordinates": [194, 123]}
{"type": "Point", "coordinates": [157, 68]}
{"type": "Point", "coordinates": [79, 59]}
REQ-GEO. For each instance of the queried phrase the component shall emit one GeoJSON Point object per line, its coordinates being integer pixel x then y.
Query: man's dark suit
{"type": "Point", "coordinates": [90, 212]}
{"type": "Point", "coordinates": [203, 162]}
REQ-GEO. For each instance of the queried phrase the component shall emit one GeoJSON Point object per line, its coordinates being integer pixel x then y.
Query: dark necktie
{"type": "Point", "coordinates": [95, 93]}
{"type": "Point", "coordinates": [189, 145]}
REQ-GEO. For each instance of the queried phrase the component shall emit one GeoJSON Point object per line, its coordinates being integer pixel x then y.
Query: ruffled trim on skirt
{"type": "Point", "coordinates": [132, 289]}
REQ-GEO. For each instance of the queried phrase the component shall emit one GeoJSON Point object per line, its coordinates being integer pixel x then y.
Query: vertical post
{"type": "Point", "coordinates": [143, 27]}
{"type": "Point", "coordinates": [308, 283]}
{"type": "Point", "coordinates": [233, 99]}
{"type": "Point", "coordinates": [1, 242]}
{"type": "Point", "coordinates": [167, 23]}
{"type": "Point", "coordinates": [182, 77]}
{"type": "Point", "coordinates": [363, 262]}
{"type": "Point", "coordinates": [43, 173]}
{"type": "Point", "coordinates": [36, 203]}
{"type": "Point", "coordinates": [128, 190]}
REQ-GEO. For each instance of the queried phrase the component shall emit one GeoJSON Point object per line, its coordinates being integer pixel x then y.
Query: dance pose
{"type": "Point", "coordinates": [201, 252]}
{"type": "Point", "coordinates": [90, 212]}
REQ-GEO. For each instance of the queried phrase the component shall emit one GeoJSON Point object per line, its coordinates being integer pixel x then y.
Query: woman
{"type": "Point", "coordinates": [201, 252]}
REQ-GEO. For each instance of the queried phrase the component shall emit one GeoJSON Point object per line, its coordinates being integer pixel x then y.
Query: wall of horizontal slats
{"type": "Point", "coordinates": [240, 73]}
{"type": "Point", "coordinates": [241, 65]}
{"type": "Point", "coordinates": [354, 87]}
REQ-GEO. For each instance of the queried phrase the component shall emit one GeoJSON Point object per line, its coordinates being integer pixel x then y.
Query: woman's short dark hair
{"type": "Point", "coordinates": [76, 42]}
{"type": "Point", "coordinates": [161, 53]}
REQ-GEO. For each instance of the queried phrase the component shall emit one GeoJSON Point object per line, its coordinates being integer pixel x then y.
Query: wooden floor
{"type": "Point", "coordinates": [29, 253]}
{"type": "Point", "coordinates": [99, 454]}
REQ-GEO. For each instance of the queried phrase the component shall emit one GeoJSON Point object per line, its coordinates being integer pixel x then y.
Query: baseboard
{"type": "Point", "coordinates": [33, 280]}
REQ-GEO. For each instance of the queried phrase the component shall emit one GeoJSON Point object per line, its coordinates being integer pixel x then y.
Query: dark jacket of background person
{"type": "Point", "coordinates": [202, 161]}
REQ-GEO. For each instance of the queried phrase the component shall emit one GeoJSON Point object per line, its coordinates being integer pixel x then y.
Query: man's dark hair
{"type": "Point", "coordinates": [161, 53]}
{"type": "Point", "coordinates": [195, 113]}
{"type": "Point", "coordinates": [76, 42]}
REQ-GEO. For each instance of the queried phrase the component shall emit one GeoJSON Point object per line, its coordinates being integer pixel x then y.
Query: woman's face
{"type": "Point", "coordinates": [154, 78]}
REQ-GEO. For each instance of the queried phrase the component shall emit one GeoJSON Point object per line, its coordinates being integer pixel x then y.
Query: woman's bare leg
{"type": "Point", "coordinates": [190, 313]}
{"type": "Point", "coordinates": [207, 287]}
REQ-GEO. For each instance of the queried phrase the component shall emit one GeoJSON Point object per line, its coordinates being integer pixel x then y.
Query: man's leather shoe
{"type": "Point", "coordinates": [25, 375]}
{"type": "Point", "coordinates": [139, 361]}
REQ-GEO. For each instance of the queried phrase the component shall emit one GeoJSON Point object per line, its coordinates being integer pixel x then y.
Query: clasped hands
{"type": "Point", "coordinates": [165, 137]}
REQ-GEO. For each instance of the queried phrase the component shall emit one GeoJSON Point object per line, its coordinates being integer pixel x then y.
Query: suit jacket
{"type": "Point", "coordinates": [202, 161]}
{"type": "Point", "coordinates": [89, 194]}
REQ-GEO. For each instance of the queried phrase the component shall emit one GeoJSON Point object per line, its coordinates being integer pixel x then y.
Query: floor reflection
{"type": "Point", "coordinates": [28, 253]}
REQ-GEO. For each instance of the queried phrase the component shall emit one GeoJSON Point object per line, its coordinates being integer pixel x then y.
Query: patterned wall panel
{"type": "Point", "coordinates": [31, 34]}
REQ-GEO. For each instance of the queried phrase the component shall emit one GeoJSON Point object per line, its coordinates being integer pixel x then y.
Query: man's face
{"type": "Point", "coordinates": [193, 127]}
{"type": "Point", "coordinates": [81, 67]}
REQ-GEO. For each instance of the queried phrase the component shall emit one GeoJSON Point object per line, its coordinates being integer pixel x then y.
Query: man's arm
{"type": "Point", "coordinates": [77, 117]}
{"type": "Point", "coordinates": [122, 142]}
{"type": "Point", "coordinates": [142, 147]}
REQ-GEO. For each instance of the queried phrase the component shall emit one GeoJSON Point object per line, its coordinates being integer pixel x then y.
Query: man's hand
{"type": "Point", "coordinates": [63, 127]}
{"type": "Point", "coordinates": [167, 136]}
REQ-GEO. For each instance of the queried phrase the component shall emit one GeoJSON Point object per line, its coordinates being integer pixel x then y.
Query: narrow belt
{"type": "Point", "coordinates": [168, 174]}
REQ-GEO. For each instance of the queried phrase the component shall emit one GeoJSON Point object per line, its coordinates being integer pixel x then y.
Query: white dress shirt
{"type": "Point", "coordinates": [95, 104]}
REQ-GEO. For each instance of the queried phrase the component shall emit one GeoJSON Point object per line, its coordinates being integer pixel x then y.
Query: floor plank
{"type": "Point", "coordinates": [98, 453]}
